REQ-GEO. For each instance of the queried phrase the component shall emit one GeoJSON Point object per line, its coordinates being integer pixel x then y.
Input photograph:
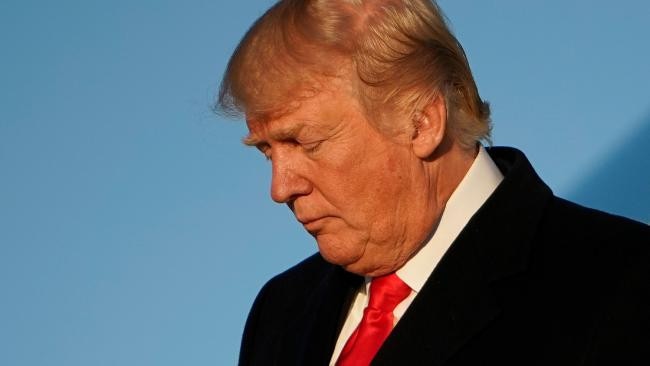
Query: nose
{"type": "Point", "coordinates": [287, 180]}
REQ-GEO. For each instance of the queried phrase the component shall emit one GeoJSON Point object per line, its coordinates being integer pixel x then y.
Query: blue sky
{"type": "Point", "coordinates": [135, 229]}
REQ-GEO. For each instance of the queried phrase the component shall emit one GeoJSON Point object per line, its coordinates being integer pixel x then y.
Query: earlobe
{"type": "Point", "coordinates": [429, 127]}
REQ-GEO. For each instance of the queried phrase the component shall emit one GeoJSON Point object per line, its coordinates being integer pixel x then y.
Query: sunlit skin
{"type": "Point", "coordinates": [370, 199]}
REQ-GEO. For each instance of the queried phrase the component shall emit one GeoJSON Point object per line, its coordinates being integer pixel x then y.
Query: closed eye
{"type": "Point", "coordinates": [311, 146]}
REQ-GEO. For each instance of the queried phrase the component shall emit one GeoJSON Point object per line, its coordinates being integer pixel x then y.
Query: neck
{"type": "Point", "coordinates": [447, 171]}
{"type": "Point", "coordinates": [444, 171]}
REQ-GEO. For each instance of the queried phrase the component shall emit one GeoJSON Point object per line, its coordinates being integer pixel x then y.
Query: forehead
{"type": "Point", "coordinates": [330, 105]}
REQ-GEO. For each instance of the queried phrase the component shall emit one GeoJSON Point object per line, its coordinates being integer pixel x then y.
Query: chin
{"type": "Point", "coordinates": [339, 251]}
{"type": "Point", "coordinates": [349, 257]}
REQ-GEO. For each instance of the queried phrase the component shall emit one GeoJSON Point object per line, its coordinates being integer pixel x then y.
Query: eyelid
{"type": "Point", "coordinates": [312, 145]}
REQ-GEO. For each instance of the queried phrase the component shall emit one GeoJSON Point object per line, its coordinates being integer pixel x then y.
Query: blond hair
{"type": "Point", "coordinates": [402, 52]}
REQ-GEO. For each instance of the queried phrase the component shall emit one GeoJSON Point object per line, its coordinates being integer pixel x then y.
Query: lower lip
{"type": "Point", "coordinates": [313, 225]}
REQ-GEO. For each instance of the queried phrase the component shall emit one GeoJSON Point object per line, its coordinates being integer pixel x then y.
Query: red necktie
{"type": "Point", "coordinates": [377, 322]}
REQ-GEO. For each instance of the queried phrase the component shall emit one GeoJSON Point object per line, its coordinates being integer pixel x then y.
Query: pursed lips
{"type": "Point", "coordinates": [311, 224]}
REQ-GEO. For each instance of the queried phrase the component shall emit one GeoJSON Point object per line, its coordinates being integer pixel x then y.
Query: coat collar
{"type": "Point", "coordinates": [457, 301]}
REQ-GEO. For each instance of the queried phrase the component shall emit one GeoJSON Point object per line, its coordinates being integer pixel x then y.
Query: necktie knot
{"type": "Point", "coordinates": [386, 292]}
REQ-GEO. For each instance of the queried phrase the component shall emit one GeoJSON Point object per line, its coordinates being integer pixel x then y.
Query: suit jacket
{"type": "Point", "coordinates": [531, 280]}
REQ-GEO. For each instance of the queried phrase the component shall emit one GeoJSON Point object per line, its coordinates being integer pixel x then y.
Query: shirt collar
{"type": "Point", "coordinates": [475, 188]}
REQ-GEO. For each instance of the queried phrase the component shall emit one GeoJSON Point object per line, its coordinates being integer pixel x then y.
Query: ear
{"type": "Point", "coordinates": [429, 127]}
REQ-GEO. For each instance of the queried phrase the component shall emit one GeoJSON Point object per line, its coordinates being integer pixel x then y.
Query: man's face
{"type": "Point", "coordinates": [354, 189]}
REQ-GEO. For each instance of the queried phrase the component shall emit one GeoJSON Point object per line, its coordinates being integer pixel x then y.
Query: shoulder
{"type": "Point", "coordinates": [586, 279]}
{"type": "Point", "coordinates": [600, 263]}
{"type": "Point", "coordinates": [586, 239]}
{"type": "Point", "coordinates": [593, 228]}
{"type": "Point", "coordinates": [614, 252]}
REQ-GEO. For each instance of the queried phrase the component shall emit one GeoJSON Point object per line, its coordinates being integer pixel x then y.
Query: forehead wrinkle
{"type": "Point", "coordinates": [286, 132]}
{"type": "Point", "coordinates": [279, 133]}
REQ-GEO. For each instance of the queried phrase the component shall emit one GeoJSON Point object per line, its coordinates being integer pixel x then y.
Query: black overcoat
{"type": "Point", "coordinates": [531, 280]}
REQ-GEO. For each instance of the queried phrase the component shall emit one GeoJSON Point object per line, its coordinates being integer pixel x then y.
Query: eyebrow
{"type": "Point", "coordinates": [281, 134]}
{"type": "Point", "coordinates": [251, 140]}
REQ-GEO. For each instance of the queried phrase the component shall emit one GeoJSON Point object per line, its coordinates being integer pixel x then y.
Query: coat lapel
{"type": "Point", "coordinates": [312, 337]}
{"type": "Point", "coordinates": [458, 301]}
{"type": "Point", "coordinates": [453, 305]}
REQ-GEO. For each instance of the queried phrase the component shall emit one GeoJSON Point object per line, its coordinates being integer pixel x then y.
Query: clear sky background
{"type": "Point", "coordinates": [135, 229]}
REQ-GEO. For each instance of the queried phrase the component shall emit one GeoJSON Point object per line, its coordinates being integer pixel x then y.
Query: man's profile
{"type": "Point", "coordinates": [433, 249]}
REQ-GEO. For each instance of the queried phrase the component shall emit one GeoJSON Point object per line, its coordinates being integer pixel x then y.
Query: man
{"type": "Point", "coordinates": [432, 249]}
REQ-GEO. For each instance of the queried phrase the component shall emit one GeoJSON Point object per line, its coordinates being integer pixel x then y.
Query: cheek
{"type": "Point", "coordinates": [363, 183]}
{"type": "Point", "coordinates": [371, 197]}
{"type": "Point", "coordinates": [385, 199]}
{"type": "Point", "coordinates": [385, 180]}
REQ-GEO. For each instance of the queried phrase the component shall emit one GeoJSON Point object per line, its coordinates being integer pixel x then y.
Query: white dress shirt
{"type": "Point", "coordinates": [481, 180]}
